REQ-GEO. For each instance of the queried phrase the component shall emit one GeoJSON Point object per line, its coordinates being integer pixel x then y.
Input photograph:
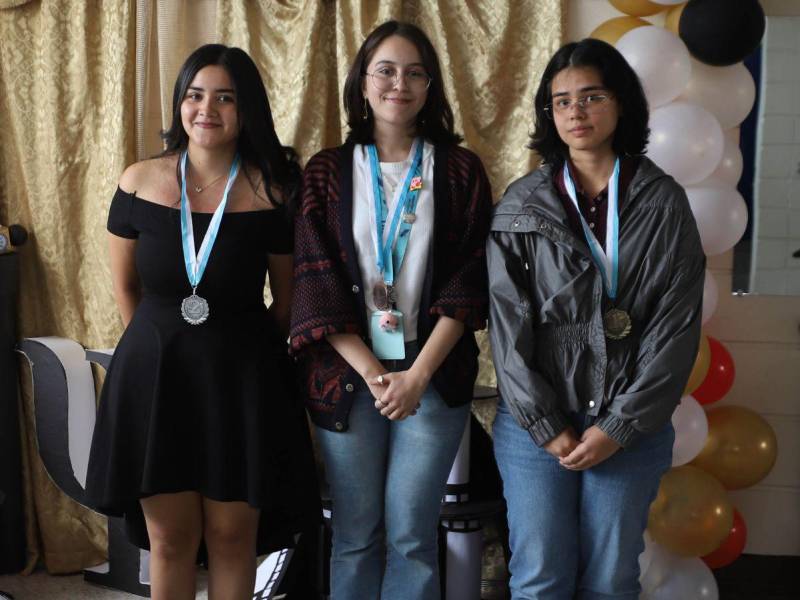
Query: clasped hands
{"type": "Point", "coordinates": [593, 447]}
{"type": "Point", "coordinates": [397, 395]}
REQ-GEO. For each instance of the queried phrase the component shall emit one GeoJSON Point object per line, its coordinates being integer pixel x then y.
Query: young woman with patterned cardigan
{"type": "Point", "coordinates": [383, 328]}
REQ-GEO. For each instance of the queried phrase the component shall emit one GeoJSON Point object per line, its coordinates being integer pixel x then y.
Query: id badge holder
{"type": "Point", "coordinates": [386, 329]}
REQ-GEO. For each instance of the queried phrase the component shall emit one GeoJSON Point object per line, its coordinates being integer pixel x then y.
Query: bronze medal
{"type": "Point", "coordinates": [617, 324]}
{"type": "Point", "coordinates": [383, 296]}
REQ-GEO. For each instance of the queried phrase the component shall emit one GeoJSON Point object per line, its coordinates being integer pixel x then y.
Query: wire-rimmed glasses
{"type": "Point", "coordinates": [385, 78]}
{"type": "Point", "coordinates": [591, 103]}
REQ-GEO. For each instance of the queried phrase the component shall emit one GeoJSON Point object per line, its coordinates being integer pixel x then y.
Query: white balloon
{"type": "Point", "coordinates": [730, 166]}
{"type": "Point", "coordinates": [660, 59]}
{"type": "Point", "coordinates": [691, 430]}
{"type": "Point", "coordinates": [720, 212]}
{"type": "Point", "coordinates": [686, 141]}
{"type": "Point", "coordinates": [726, 92]}
{"type": "Point", "coordinates": [689, 579]}
{"type": "Point", "coordinates": [710, 297]}
{"type": "Point", "coordinates": [646, 557]}
{"type": "Point", "coordinates": [655, 564]}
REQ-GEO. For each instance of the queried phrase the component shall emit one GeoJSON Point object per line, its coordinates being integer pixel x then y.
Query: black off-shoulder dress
{"type": "Point", "coordinates": [210, 408]}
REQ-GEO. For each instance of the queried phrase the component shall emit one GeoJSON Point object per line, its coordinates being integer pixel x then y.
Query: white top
{"type": "Point", "coordinates": [408, 283]}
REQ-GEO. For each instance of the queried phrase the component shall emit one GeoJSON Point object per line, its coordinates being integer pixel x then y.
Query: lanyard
{"type": "Point", "coordinates": [607, 260]}
{"type": "Point", "coordinates": [196, 263]}
{"type": "Point", "coordinates": [390, 260]}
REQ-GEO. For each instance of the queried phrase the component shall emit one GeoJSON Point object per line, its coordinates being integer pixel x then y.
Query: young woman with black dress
{"type": "Point", "coordinates": [199, 438]}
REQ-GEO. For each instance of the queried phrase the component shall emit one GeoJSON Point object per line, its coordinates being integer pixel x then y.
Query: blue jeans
{"type": "Point", "coordinates": [387, 479]}
{"type": "Point", "coordinates": [577, 534]}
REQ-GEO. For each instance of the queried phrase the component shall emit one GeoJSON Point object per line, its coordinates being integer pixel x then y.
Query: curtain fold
{"type": "Point", "coordinates": [166, 33]}
{"type": "Point", "coordinates": [66, 117]}
{"type": "Point", "coordinates": [295, 48]}
{"type": "Point", "coordinates": [85, 89]}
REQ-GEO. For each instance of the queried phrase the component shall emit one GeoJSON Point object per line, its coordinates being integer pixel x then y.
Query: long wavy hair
{"type": "Point", "coordinates": [257, 144]}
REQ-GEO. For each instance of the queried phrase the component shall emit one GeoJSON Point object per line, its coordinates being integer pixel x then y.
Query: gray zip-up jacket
{"type": "Point", "coordinates": [547, 304]}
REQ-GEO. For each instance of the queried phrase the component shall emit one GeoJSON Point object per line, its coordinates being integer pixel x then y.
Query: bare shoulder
{"type": "Point", "coordinates": [153, 179]}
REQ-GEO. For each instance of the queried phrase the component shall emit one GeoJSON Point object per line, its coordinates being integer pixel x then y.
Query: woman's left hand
{"type": "Point", "coordinates": [403, 390]}
{"type": "Point", "coordinates": [595, 447]}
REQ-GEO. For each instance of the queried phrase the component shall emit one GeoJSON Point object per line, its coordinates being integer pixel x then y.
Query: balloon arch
{"type": "Point", "coordinates": [699, 92]}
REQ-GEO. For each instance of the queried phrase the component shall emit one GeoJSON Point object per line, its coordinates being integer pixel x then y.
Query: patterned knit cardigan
{"type": "Point", "coordinates": [328, 294]}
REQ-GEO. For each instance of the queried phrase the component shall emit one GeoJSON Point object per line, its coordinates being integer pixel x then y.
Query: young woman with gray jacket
{"type": "Point", "coordinates": [596, 281]}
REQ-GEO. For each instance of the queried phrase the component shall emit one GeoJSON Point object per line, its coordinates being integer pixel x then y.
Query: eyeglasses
{"type": "Point", "coordinates": [385, 78]}
{"type": "Point", "coordinates": [593, 103]}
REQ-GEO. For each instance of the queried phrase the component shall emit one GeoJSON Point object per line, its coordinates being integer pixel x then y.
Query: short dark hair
{"type": "Point", "coordinates": [632, 133]}
{"type": "Point", "coordinates": [434, 121]}
{"type": "Point", "coordinates": [258, 143]}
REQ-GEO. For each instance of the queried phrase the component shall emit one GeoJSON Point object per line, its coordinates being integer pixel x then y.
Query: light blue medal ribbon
{"type": "Point", "coordinates": [195, 309]}
{"type": "Point", "coordinates": [389, 259]}
{"type": "Point", "coordinates": [616, 322]}
{"type": "Point", "coordinates": [607, 259]}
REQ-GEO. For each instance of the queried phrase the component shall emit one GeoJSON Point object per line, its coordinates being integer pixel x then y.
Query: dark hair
{"type": "Point", "coordinates": [257, 144]}
{"type": "Point", "coordinates": [434, 121]}
{"type": "Point", "coordinates": [632, 132]}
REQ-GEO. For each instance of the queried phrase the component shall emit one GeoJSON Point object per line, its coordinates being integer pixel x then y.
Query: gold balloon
{"type": "Point", "coordinates": [637, 8]}
{"type": "Point", "coordinates": [674, 18]}
{"type": "Point", "coordinates": [701, 364]}
{"type": "Point", "coordinates": [691, 515]}
{"type": "Point", "coordinates": [740, 449]}
{"type": "Point", "coordinates": [615, 28]}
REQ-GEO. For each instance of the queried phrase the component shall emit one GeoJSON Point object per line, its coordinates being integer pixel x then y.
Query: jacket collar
{"type": "Point", "coordinates": [536, 195]}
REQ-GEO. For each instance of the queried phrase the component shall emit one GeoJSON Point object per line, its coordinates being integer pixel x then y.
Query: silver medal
{"type": "Point", "coordinates": [195, 309]}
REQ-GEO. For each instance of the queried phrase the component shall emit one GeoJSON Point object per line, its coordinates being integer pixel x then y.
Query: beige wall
{"type": "Point", "coordinates": [762, 334]}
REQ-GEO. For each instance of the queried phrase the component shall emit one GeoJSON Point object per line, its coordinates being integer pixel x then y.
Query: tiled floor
{"type": "Point", "coordinates": [41, 586]}
{"type": "Point", "coordinates": [750, 578]}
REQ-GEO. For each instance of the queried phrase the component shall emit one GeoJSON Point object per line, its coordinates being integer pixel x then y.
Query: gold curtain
{"type": "Point", "coordinates": [66, 117]}
{"type": "Point", "coordinates": [85, 88]}
{"type": "Point", "coordinates": [166, 32]}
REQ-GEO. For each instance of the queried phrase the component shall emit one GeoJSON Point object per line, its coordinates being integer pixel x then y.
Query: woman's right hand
{"type": "Point", "coordinates": [563, 444]}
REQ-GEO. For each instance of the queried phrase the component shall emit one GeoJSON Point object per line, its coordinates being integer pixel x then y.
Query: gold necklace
{"type": "Point", "coordinates": [200, 188]}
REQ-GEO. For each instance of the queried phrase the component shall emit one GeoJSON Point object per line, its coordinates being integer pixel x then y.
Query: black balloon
{"type": "Point", "coordinates": [722, 32]}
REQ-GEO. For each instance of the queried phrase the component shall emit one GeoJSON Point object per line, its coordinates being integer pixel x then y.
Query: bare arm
{"type": "Point", "coordinates": [444, 336]}
{"type": "Point", "coordinates": [360, 357]}
{"type": "Point", "coordinates": [127, 287]}
{"type": "Point", "coordinates": [280, 285]}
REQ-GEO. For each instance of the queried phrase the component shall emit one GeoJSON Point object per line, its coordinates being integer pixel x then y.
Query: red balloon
{"type": "Point", "coordinates": [719, 378]}
{"type": "Point", "coordinates": [732, 547]}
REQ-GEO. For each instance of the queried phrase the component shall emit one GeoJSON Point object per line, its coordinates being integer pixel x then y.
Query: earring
{"type": "Point", "coordinates": [365, 114]}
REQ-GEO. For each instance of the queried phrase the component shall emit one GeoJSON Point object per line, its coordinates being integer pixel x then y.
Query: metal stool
{"type": "Point", "coordinates": [461, 521]}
